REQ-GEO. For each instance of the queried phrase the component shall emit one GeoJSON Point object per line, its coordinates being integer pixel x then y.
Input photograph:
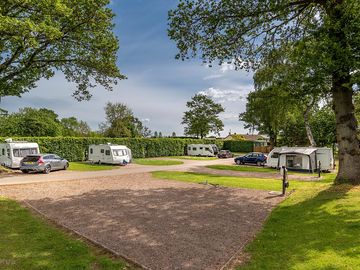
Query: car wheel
{"type": "Point", "coordinates": [47, 169]}
{"type": "Point", "coordinates": [66, 166]}
{"type": "Point", "coordinates": [258, 163]}
{"type": "Point", "coordinates": [25, 171]}
{"type": "Point", "coordinates": [238, 162]}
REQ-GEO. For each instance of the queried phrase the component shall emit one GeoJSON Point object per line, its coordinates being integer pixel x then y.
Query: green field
{"type": "Point", "coordinates": [27, 242]}
{"type": "Point", "coordinates": [240, 168]}
{"type": "Point", "coordinates": [84, 166]}
{"type": "Point", "coordinates": [156, 162]}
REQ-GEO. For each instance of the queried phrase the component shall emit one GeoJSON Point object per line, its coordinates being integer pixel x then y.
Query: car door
{"type": "Point", "coordinates": [58, 162]}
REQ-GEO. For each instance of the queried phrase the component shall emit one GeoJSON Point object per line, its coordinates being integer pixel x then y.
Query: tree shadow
{"type": "Point", "coordinates": [165, 228]}
{"type": "Point", "coordinates": [311, 232]}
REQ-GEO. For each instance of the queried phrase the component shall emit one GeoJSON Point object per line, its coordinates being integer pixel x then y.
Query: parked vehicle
{"type": "Point", "coordinates": [202, 150]}
{"type": "Point", "coordinates": [109, 154]}
{"type": "Point", "coordinates": [302, 158]}
{"type": "Point", "coordinates": [225, 154]}
{"type": "Point", "coordinates": [43, 163]}
{"type": "Point", "coordinates": [252, 158]}
{"type": "Point", "coordinates": [12, 152]}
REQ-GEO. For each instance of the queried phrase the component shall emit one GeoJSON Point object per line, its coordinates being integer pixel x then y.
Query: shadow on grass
{"type": "Point", "coordinates": [313, 229]}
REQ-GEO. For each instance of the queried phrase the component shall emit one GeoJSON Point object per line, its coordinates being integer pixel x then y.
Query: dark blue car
{"type": "Point", "coordinates": [252, 158]}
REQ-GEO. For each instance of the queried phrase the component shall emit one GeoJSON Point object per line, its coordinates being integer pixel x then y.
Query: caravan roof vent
{"type": "Point", "coordinates": [9, 140]}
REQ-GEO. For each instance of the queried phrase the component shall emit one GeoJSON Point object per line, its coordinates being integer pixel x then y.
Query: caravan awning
{"type": "Point", "coordinates": [298, 151]}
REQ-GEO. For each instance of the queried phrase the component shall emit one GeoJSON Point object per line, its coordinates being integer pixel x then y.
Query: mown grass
{"type": "Point", "coordinates": [84, 166]}
{"type": "Point", "coordinates": [193, 158]}
{"type": "Point", "coordinates": [230, 181]}
{"type": "Point", "coordinates": [28, 242]}
{"type": "Point", "coordinates": [157, 162]}
{"type": "Point", "coordinates": [317, 227]}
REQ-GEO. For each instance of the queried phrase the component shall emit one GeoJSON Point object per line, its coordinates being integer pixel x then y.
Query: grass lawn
{"type": "Point", "coordinates": [230, 181]}
{"type": "Point", "coordinates": [28, 242]}
{"type": "Point", "coordinates": [156, 162]}
{"type": "Point", "coordinates": [317, 227]}
{"type": "Point", "coordinates": [83, 167]}
{"type": "Point", "coordinates": [193, 158]}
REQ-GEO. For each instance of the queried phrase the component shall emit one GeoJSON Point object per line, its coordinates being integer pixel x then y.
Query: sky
{"type": "Point", "coordinates": [158, 86]}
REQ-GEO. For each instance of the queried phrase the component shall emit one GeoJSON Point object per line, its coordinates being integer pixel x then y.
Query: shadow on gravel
{"type": "Point", "coordinates": [168, 228]}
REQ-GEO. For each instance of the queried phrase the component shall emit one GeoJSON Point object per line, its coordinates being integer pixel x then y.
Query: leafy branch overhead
{"type": "Point", "coordinates": [38, 38]}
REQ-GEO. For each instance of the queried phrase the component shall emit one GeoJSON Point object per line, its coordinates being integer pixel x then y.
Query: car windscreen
{"type": "Point", "coordinates": [31, 158]}
{"type": "Point", "coordinates": [23, 152]}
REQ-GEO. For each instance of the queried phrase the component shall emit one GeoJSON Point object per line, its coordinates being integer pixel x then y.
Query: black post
{"type": "Point", "coordinates": [319, 169]}
{"type": "Point", "coordinates": [285, 183]}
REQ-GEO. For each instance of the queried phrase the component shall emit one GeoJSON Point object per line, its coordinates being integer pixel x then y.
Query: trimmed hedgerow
{"type": "Point", "coordinates": [239, 146]}
{"type": "Point", "coordinates": [75, 148]}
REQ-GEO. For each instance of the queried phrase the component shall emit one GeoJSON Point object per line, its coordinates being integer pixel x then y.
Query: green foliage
{"type": "Point", "coordinates": [239, 146]}
{"type": "Point", "coordinates": [202, 116]}
{"type": "Point", "coordinates": [85, 167]}
{"type": "Point", "coordinates": [31, 122]}
{"type": "Point", "coordinates": [75, 128]}
{"type": "Point", "coordinates": [121, 122]}
{"type": "Point", "coordinates": [38, 38]}
{"type": "Point", "coordinates": [28, 242]}
{"type": "Point", "coordinates": [75, 148]}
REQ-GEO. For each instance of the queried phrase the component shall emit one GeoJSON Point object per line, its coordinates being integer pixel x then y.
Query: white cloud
{"type": "Point", "coordinates": [213, 76]}
{"type": "Point", "coordinates": [225, 67]}
{"type": "Point", "coordinates": [229, 116]}
{"type": "Point", "coordinates": [223, 95]}
{"type": "Point", "coordinates": [145, 120]}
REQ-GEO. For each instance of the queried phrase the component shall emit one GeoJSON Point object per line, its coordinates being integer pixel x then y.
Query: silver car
{"type": "Point", "coordinates": [43, 163]}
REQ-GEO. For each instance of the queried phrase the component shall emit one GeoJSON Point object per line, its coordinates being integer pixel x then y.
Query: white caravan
{"type": "Point", "coordinates": [204, 150]}
{"type": "Point", "coordinates": [12, 152]}
{"type": "Point", "coordinates": [109, 154]}
{"type": "Point", "coordinates": [302, 158]}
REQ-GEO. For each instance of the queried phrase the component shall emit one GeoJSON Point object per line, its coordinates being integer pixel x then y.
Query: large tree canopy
{"type": "Point", "coordinates": [326, 33]}
{"type": "Point", "coordinates": [38, 38]}
{"type": "Point", "coordinates": [202, 116]}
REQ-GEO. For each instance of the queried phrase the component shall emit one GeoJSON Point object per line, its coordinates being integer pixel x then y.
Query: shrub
{"type": "Point", "coordinates": [75, 148]}
{"type": "Point", "coordinates": [239, 146]}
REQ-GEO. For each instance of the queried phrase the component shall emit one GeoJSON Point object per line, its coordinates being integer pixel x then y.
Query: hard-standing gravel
{"type": "Point", "coordinates": [157, 223]}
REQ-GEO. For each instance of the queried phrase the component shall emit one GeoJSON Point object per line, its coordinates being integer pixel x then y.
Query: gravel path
{"type": "Point", "coordinates": [157, 223]}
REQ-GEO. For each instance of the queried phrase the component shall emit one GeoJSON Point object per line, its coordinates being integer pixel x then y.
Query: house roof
{"type": "Point", "coordinates": [247, 137]}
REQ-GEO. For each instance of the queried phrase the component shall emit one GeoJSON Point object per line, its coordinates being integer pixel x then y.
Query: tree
{"type": "Point", "coordinates": [202, 116]}
{"type": "Point", "coordinates": [73, 127]}
{"type": "Point", "coordinates": [38, 38]}
{"type": "Point", "coordinates": [121, 122]}
{"type": "Point", "coordinates": [173, 134]}
{"type": "Point", "coordinates": [31, 122]}
{"type": "Point", "coordinates": [160, 135]}
{"type": "Point", "coordinates": [156, 135]}
{"type": "Point", "coordinates": [243, 32]}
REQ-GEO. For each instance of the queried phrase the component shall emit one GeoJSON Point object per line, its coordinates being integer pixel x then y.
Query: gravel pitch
{"type": "Point", "coordinates": [157, 223]}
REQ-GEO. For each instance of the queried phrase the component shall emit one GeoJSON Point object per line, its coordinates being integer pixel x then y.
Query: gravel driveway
{"type": "Point", "coordinates": [157, 223]}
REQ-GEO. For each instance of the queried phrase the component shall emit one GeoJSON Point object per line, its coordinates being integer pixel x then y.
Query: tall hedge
{"type": "Point", "coordinates": [75, 148]}
{"type": "Point", "coordinates": [239, 146]}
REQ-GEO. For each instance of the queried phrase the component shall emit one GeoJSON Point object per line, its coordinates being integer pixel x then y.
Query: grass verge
{"type": "Point", "coordinates": [28, 242]}
{"type": "Point", "coordinates": [157, 162]}
{"type": "Point", "coordinates": [315, 228]}
{"type": "Point", "coordinates": [230, 181]}
{"type": "Point", "coordinates": [83, 167]}
{"type": "Point", "coordinates": [193, 158]}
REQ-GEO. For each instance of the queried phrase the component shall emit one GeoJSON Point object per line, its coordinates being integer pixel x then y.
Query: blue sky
{"type": "Point", "coordinates": [157, 87]}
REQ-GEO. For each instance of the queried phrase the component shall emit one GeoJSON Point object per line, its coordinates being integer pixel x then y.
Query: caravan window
{"type": "Point", "coordinates": [194, 148]}
{"type": "Point", "coordinates": [24, 152]}
{"type": "Point", "coordinates": [3, 152]}
{"type": "Point", "coordinates": [102, 151]}
{"type": "Point", "coordinates": [189, 148]}
{"type": "Point", "coordinates": [91, 150]}
{"type": "Point", "coordinates": [275, 155]}
{"type": "Point", "coordinates": [119, 152]}
{"type": "Point", "coordinates": [207, 149]}
{"type": "Point", "coordinates": [107, 152]}
{"type": "Point", "coordinates": [202, 148]}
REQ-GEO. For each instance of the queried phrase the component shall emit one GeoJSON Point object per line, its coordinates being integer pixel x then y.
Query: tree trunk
{"type": "Point", "coordinates": [346, 126]}
{"type": "Point", "coordinates": [307, 124]}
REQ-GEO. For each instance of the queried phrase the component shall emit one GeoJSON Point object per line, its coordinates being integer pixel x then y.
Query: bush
{"type": "Point", "coordinates": [239, 146]}
{"type": "Point", "coordinates": [75, 148]}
